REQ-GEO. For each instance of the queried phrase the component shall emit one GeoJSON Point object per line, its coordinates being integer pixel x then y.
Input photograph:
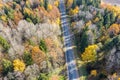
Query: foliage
{"type": "Point", "coordinates": [58, 21]}
{"type": "Point", "coordinates": [95, 3]}
{"type": "Point", "coordinates": [49, 7]}
{"type": "Point", "coordinates": [112, 8]}
{"type": "Point", "coordinates": [74, 4]}
{"type": "Point", "coordinates": [35, 49]}
{"type": "Point", "coordinates": [42, 46]}
{"type": "Point", "coordinates": [56, 3]}
{"type": "Point", "coordinates": [88, 23]}
{"type": "Point", "coordinates": [7, 66]}
{"type": "Point", "coordinates": [27, 11]}
{"type": "Point", "coordinates": [107, 20]}
{"type": "Point", "coordinates": [43, 77]}
{"type": "Point", "coordinates": [110, 43]}
{"type": "Point", "coordinates": [1, 5]}
{"type": "Point", "coordinates": [69, 3]}
{"type": "Point", "coordinates": [3, 18]}
{"type": "Point", "coordinates": [93, 72]}
{"type": "Point", "coordinates": [46, 4]}
{"type": "Point", "coordinates": [30, 17]}
{"type": "Point", "coordinates": [41, 3]}
{"type": "Point", "coordinates": [114, 29]}
{"type": "Point", "coordinates": [27, 58]}
{"type": "Point", "coordinates": [18, 65]}
{"type": "Point", "coordinates": [84, 40]}
{"type": "Point", "coordinates": [9, 12]}
{"type": "Point", "coordinates": [62, 78]}
{"type": "Point", "coordinates": [74, 11]}
{"type": "Point", "coordinates": [37, 55]}
{"type": "Point", "coordinates": [4, 43]}
{"type": "Point", "coordinates": [17, 1]}
{"type": "Point", "coordinates": [90, 53]}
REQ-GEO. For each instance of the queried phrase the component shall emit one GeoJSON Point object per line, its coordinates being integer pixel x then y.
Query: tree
{"type": "Point", "coordinates": [112, 17]}
{"type": "Point", "coordinates": [90, 53]}
{"type": "Point", "coordinates": [78, 2]}
{"type": "Point", "coordinates": [114, 29]}
{"type": "Point", "coordinates": [74, 4]}
{"type": "Point", "coordinates": [99, 25]}
{"type": "Point", "coordinates": [99, 15]}
{"type": "Point", "coordinates": [84, 40]}
{"type": "Point", "coordinates": [107, 20]}
{"type": "Point", "coordinates": [46, 4]}
{"type": "Point", "coordinates": [82, 2]}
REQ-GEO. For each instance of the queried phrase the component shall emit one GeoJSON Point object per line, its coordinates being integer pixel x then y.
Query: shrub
{"type": "Point", "coordinates": [18, 65]}
{"type": "Point", "coordinates": [43, 77]}
{"type": "Point", "coordinates": [7, 66]}
{"type": "Point", "coordinates": [42, 46]}
{"type": "Point", "coordinates": [27, 57]}
{"type": "Point", "coordinates": [4, 43]}
{"type": "Point", "coordinates": [90, 53]}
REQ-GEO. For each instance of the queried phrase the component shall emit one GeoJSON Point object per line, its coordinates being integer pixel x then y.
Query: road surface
{"type": "Point", "coordinates": [72, 71]}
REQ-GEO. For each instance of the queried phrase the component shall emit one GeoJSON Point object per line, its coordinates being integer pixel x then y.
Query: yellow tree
{"type": "Point", "coordinates": [69, 3]}
{"type": "Point", "coordinates": [56, 3]}
{"type": "Point", "coordinates": [49, 7]}
{"type": "Point", "coordinates": [90, 53]}
{"type": "Point", "coordinates": [74, 11]}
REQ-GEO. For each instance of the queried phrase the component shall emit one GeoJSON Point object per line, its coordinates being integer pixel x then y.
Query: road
{"type": "Point", "coordinates": [72, 71]}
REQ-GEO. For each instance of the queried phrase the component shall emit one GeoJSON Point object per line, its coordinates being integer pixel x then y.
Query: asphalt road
{"type": "Point", "coordinates": [72, 71]}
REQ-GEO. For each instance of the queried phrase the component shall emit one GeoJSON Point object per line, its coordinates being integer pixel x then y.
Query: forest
{"type": "Point", "coordinates": [96, 26]}
{"type": "Point", "coordinates": [32, 42]}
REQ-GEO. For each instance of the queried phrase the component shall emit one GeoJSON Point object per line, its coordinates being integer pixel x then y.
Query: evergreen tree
{"type": "Point", "coordinates": [82, 2]}
{"type": "Point", "coordinates": [99, 25]}
{"type": "Point", "coordinates": [74, 4]}
{"type": "Point", "coordinates": [78, 2]}
{"type": "Point", "coordinates": [112, 17]}
{"type": "Point", "coordinates": [46, 4]}
{"type": "Point", "coordinates": [107, 20]}
{"type": "Point", "coordinates": [84, 40]}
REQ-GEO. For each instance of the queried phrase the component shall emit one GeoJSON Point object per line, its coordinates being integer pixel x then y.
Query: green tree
{"type": "Point", "coordinates": [42, 46]}
{"type": "Point", "coordinates": [99, 25]}
{"type": "Point", "coordinates": [46, 4]}
{"type": "Point", "coordinates": [7, 66]}
{"type": "Point", "coordinates": [84, 40]}
{"type": "Point", "coordinates": [27, 58]}
{"type": "Point", "coordinates": [78, 2]}
{"type": "Point", "coordinates": [74, 4]}
{"type": "Point", "coordinates": [112, 17]}
{"type": "Point", "coordinates": [107, 20]}
{"type": "Point", "coordinates": [82, 2]}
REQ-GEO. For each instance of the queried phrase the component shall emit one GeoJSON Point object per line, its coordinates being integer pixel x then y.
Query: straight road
{"type": "Point", "coordinates": [72, 71]}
